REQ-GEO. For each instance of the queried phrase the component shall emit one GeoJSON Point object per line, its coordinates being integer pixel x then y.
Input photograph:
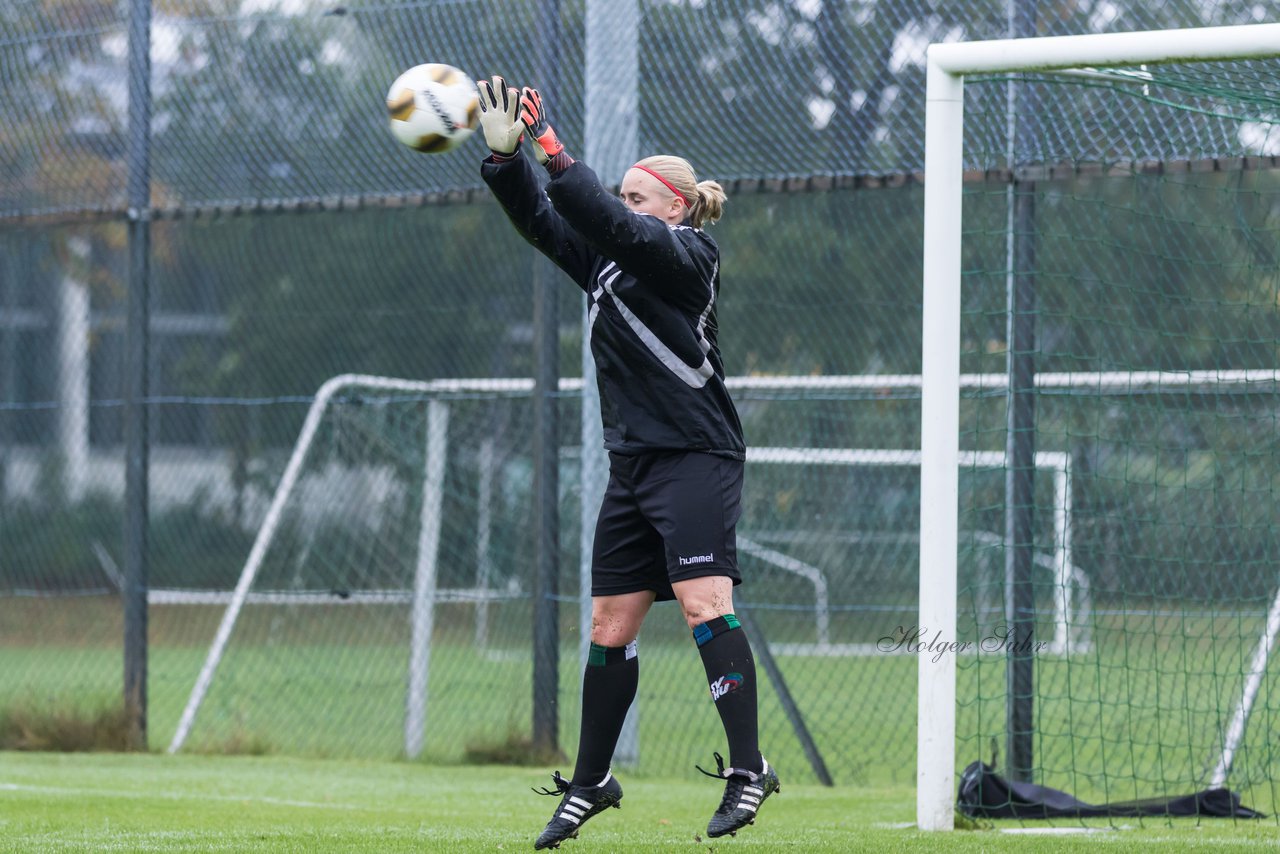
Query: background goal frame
{"type": "Point", "coordinates": [425, 594]}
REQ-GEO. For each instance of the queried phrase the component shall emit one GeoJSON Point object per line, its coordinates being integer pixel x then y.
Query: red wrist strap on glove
{"type": "Point", "coordinates": [534, 117]}
{"type": "Point", "coordinates": [550, 143]}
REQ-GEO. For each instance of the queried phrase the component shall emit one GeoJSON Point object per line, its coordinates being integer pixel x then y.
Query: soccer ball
{"type": "Point", "coordinates": [433, 107]}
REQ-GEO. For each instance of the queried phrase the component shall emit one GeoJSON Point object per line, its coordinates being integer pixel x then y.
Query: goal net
{"type": "Point", "coordinates": [385, 607]}
{"type": "Point", "coordinates": [1107, 241]}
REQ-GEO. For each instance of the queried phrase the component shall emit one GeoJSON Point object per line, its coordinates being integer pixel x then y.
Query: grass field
{"type": "Point", "coordinates": [143, 802]}
{"type": "Point", "coordinates": [1137, 716]}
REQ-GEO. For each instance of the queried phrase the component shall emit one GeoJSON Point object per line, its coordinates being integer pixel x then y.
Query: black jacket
{"type": "Point", "coordinates": [651, 292]}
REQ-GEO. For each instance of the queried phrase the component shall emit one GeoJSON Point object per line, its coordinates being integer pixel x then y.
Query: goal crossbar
{"type": "Point", "coordinates": [946, 68]}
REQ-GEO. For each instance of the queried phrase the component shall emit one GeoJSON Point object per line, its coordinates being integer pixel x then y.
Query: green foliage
{"type": "Point", "coordinates": [235, 743]}
{"type": "Point", "coordinates": [196, 545]}
{"type": "Point", "coordinates": [52, 546]}
{"type": "Point", "coordinates": [514, 750]}
{"type": "Point", "coordinates": [86, 726]}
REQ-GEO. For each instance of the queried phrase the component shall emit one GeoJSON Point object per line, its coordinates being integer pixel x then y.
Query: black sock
{"type": "Point", "coordinates": [731, 673]}
{"type": "Point", "coordinates": [608, 687]}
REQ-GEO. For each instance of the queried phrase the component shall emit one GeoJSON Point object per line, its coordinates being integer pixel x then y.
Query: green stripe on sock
{"type": "Point", "coordinates": [595, 656]}
{"type": "Point", "coordinates": [732, 621]}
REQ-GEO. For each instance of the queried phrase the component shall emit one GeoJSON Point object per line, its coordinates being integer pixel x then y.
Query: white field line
{"type": "Point", "coordinates": [1103, 837]}
{"type": "Point", "coordinates": [76, 792]}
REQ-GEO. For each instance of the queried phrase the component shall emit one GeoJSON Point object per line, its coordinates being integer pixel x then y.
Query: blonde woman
{"type": "Point", "coordinates": [666, 529]}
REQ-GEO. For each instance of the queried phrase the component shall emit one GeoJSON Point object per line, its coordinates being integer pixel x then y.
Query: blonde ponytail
{"type": "Point", "coordinates": [709, 206]}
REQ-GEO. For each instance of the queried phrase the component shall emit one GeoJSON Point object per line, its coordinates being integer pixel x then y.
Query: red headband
{"type": "Point", "coordinates": [669, 185]}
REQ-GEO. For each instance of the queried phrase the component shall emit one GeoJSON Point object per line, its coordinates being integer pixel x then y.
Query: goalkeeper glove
{"type": "Point", "coordinates": [499, 115]}
{"type": "Point", "coordinates": [533, 114]}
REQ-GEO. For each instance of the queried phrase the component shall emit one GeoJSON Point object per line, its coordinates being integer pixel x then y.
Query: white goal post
{"type": "Point", "coordinates": [947, 66]}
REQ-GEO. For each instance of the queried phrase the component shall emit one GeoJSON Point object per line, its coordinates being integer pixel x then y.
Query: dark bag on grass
{"type": "Point", "coordinates": [985, 794]}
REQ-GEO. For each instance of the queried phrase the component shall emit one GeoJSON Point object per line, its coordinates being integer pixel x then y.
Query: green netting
{"type": "Point", "coordinates": [1147, 269]}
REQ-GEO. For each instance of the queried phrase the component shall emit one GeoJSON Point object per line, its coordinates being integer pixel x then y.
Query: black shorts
{"type": "Point", "coordinates": [666, 516]}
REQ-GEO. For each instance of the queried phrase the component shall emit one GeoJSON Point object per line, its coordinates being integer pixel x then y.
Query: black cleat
{"type": "Point", "coordinates": [744, 792]}
{"type": "Point", "coordinates": [578, 804]}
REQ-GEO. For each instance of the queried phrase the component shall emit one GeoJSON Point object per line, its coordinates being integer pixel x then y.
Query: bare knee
{"type": "Point", "coordinates": [615, 620]}
{"type": "Point", "coordinates": [703, 599]}
{"type": "Point", "coordinates": [697, 612]}
{"type": "Point", "coordinates": [611, 632]}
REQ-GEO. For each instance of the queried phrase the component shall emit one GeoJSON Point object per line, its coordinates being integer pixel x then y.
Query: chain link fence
{"type": "Point", "coordinates": [293, 240]}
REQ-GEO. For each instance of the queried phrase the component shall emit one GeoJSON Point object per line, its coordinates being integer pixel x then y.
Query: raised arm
{"type": "Point", "coordinates": [518, 189]}
{"type": "Point", "coordinates": [647, 247]}
{"type": "Point", "coordinates": [671, 259]}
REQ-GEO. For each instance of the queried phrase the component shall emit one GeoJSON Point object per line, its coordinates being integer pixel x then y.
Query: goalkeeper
{"type": "Point", "coordinates": [666, 528]}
